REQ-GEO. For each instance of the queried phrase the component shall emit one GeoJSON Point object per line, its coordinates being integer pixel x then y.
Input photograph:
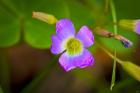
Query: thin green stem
{"type": "Point", "coordinates": [106, 6]}
{"type": "Point", "coordinates": [114, 17]}
{"type": "Point", "coordinates": [113, 73]}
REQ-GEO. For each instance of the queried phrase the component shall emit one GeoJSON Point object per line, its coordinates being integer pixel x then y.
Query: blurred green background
{"type": "Point", "coordinates": [25, 42]}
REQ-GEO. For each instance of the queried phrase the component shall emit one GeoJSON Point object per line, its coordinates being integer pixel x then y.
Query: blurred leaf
{"type": "Point", "coordinates": [132, 69]}
{"type": "Point", "coordinates": [36, 33]}
{"type": "Point", "coordinates": [124, 11]}
{"type": "Point", "coordinates": [9, 35]}
{"type": "Point", "coordinates": [9, 29]}
{"type": "Point", "coordinates": [1, 91]}
{"type": "Point", "coordinates": [80, 14]}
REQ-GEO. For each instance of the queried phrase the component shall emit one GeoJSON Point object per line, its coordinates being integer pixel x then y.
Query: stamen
{"type": "Point", "coordinates": [74, 46]}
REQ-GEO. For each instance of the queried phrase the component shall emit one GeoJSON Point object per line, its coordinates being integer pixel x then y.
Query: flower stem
{"type": "Point", "coordinates": [113, 12]}
{"type": "Point", "coordinates": [106, 8]}
{"type": "Point", "coordinates": [114, 17]}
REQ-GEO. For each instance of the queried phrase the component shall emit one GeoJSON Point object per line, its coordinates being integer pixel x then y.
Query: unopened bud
{"type": "Point", "coordinates": [126, 43]}
{"type": "Point", "coordinates": [133, 25]}
{"type": "Point", "coordinates": [103, 32]}
{"type": "Point", "coordinates": [132, 69]}
{"type": "Point", "coordinates": [48, 18]}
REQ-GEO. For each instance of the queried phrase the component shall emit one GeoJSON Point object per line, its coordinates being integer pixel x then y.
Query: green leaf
{"type": "Point", "coordinates": [9, 36]}
{"type": "Point", "coordinates": [80, 14]}
{"type": "Point", "coordinates": [38, 34]}
{"type": "Point", "coordinates": [124, 11]}
{"type": "Point", "coordinates": [9, 29]}
{"type": "Point", "coordinates": [132, 69]}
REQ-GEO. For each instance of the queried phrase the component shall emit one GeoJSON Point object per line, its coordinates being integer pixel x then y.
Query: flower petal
{"type": "Point", "coordinates": [86, 36]}
{"type": "Point", "coordinates": [56, 47]}
{"type": "Point", "coordinates": [65, 29]}
{"type": "Point", "coordinates": [70, 62]}
{"type": "Point", "coordinates": [84, 60]}
{"type": "Point", "coordinates": [137, 28]}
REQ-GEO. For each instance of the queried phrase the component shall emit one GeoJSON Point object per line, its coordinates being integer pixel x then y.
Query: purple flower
{"type": "Point", "coordinates": [72, 46]}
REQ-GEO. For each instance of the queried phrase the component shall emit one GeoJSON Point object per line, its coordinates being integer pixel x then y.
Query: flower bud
{"type": "Point", "coordinates": [133, 25]}
{"type": "Point", "coordinates": [132, 69]}
{"type": "Point", "coordinates": [48, 18]}
{"type": "Point", "coordinates": [103, 32]}
{"type": "Point", "coordinates": [126, 43]}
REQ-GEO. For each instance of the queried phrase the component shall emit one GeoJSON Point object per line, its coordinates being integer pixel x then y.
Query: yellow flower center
{"type": "Point", "coordinates": [74, 46]}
